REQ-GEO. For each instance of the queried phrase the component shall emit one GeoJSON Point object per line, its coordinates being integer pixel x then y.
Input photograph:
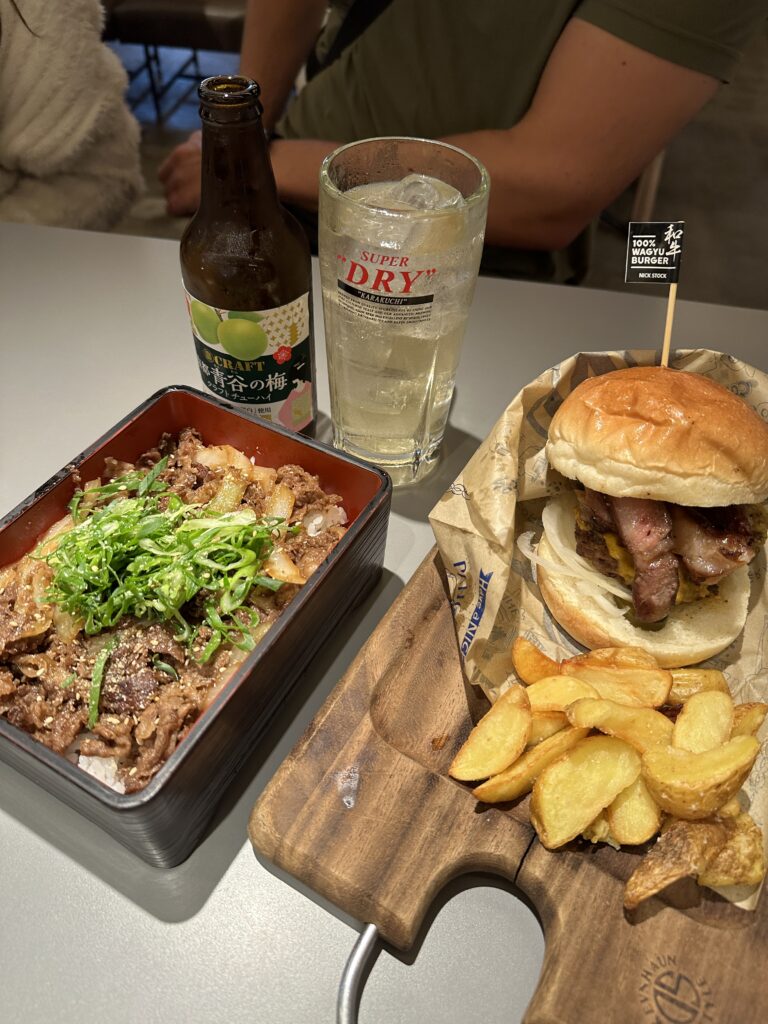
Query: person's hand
{"type": "Point", "coordinates": [179, 175]}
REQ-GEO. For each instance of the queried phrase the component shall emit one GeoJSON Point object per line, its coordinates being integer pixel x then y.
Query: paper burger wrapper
{"type": "Point", "coordinates": [500, 495]}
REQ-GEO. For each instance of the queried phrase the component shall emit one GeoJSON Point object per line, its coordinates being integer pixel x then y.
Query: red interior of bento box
{"type": "Point", "coordinates": [170, 413]}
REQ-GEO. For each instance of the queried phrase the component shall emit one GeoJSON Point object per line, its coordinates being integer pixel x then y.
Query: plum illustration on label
{"type": "Point", "coordinates": [257, 359]}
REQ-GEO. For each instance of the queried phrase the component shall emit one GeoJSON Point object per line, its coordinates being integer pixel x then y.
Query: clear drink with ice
{"type": "Point", "coordinates": [401, 234]}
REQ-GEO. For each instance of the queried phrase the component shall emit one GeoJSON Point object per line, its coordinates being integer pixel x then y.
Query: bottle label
{"type": "Point", "coordinates": [259, 360]}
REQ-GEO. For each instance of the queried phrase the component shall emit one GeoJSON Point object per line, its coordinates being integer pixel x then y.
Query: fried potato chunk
{"type": "Point", "coordinates": [642, 728]}
{"type": "Point", "coordinates": [747, 718]}
{"type": "Point", "coordinates": [570, 792]}
{"type": "Point", "coordinates": [741, 861]}
{"type": "Point", "coordinates": [684, 850]}
{"type": "Point", "coordinates": [615, 657]}
{"type": "Point", "coordinates": [530, 663]}
{"type": "Point", "coordinates": [634, 816]}
{"type": "Point", "coordinates": [644, 687]}
{"type": "Point", "coordinates": [705, 721]}
{"type": "Point", "coordinates": [730, 809]}
{"type": "Point", "coordinates": [599, 831]}
{"type": "Point", "coordinates": [497, 740]}
{"type": "Point", "coordinates": [545, 724]}
{"type": "Point", "coordinates": [694, 785]}
{"type": "Point", "coordinates": [687, 681]}
{"type": "Point", "coordinates": [555, 693]}
{"type": "Point", "coordinates": [519, 778]}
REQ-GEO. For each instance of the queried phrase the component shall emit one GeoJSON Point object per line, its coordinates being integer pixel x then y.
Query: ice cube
{"type": "Point", "coordinates": [378, 194]}
{"type": "Point", "coordinates": [422, 192]}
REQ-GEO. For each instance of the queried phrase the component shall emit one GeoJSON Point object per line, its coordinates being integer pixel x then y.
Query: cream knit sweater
{"type": "Point", "coordinates": [69, 148]}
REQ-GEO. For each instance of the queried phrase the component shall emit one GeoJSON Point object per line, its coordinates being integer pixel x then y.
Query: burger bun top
{"type": "Point", "coordinates": [670, 435]}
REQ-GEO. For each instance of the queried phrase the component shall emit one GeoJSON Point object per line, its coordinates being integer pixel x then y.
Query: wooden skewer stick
{"type": "Point", "coordinates": [668, 325]}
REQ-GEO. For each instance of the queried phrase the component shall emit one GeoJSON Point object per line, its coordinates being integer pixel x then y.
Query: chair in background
{"type": "Point", "coordinates": [185, 24]}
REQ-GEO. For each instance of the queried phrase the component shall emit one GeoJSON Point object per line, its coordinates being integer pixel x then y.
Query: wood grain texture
{"type": "Point", "coordinates": [363, 812]}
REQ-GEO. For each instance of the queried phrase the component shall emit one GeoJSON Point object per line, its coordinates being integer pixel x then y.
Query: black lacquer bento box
{"type": "Point", "coordinates": [166, 820]}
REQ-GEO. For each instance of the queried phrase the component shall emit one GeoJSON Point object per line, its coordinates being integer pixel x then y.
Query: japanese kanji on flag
{"type": "Point", "coordinates": [654, 253]}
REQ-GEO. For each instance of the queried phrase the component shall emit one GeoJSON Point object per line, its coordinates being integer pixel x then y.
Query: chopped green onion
{"type": "Point", "coordinates": [132, 557]}
{"type": "Point", "coordinates": [136, 480]}
{"type": "Point", "coordinates": [68, 681]}
{"type": "Point", "coordinates": [163, 666]}
{"type": "Point", "coordinates": [147, 484]}
{"type": "Point", "coordinates": [94, 695]}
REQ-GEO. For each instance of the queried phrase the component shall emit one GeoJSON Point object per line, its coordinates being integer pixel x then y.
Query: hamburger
{"type": "Point", "coordinates": [649, 540]}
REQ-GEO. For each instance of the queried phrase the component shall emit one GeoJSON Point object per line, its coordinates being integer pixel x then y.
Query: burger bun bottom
{"type": "Point", "coordinates": [691, 633]}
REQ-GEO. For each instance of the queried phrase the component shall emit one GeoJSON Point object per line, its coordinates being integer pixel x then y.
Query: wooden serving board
{"type": "Point", "coordinates": [363, 812]}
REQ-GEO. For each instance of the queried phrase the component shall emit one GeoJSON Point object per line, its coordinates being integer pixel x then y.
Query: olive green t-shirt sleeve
{"type": "Point", "coordinates": [704, 35]}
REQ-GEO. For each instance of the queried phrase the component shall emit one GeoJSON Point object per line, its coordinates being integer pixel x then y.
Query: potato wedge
{"type": "Point", "coordinates": [599, 831]}
{"type": "Point", "coordinates": [731, 809]}
{"type": "Point", "coordinates": [705, 721]}
{"type": "Point", "coordinates": [741, 861]}
{"type": "Point", "coordinates": [642, 728]}
{"type": "Point", "coordinates": [570, 793]}
{"type": "Point", "coordinates": [634, 816]}
{"type": "Point", "coordinates": [498, 738]}
{"type": "Point", "coordinates": [747, 718]}
{"type": "Point", "coordinates": [684, 850]}
{"type": "Point", "coordinates": [545, 724]}
{"type": "Point", "coordinates": [519, 778]}
{"type": "Point", "coordinates": [555, 693]}
{"type": "Point", "coordinates": [687, 681]}
{"type": "Point", "coordinates": [530, 663]}
{"type": "Point", "coordinates": [615, 657]}
{"type": "Point", "coordinates": [694, 785]}
{"type": "Point", "coordinates": [645, 687]}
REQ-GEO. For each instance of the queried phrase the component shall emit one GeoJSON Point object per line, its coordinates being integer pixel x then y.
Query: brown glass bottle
{"type": "Point", "coordinates": [245, 265]}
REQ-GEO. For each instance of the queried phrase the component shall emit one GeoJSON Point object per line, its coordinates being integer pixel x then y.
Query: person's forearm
{"type": "Point", "coordinates": [603, 109]}
{"type": "Point", "coordinates": [277, 39]}
{"type": "Point", "coordinates": [296, 164]}
{"type": "Point", "coordinates": [533, 205]}
{"type": "Point", "coordinates": [525, 209]}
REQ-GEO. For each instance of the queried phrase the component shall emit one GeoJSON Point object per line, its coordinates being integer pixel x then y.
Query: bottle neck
{"type": "Point", "coordinates": [237, 176]}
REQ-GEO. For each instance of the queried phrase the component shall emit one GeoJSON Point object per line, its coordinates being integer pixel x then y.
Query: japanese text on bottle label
{"type": "Point", "coordinates": [259, 359]}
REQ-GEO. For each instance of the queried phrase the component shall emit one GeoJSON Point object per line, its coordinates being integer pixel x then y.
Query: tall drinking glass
{"type": "Point", "coordinates": [401, 226]}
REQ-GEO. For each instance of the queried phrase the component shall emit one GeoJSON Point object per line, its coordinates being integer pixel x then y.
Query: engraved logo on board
{"type": "Point", "coordinates": [669, 995]}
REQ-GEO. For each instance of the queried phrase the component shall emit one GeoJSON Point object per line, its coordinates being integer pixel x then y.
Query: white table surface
{"type": "Point", "coordinates": [90, 326]}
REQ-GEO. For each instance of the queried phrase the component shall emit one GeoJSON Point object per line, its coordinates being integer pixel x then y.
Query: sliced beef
{"type": "Point", "coordinates": [645, 529]}
{"type": "Point", "coordinates": [29, 709]}
{"type": "Point", "coordinates": [712, 543]}
{"type": "Point", "coordinates": [159, 730]}
{"type": "Point", "coordinates": [67, 724]}
{"type": "Point", "coordinates": [654, 589]}
{"type": "Point", "coordinates": [596, 508]}
{"type": "Point", "coordinates": [7, 684]}
{"type": "Point", "coordinates": [590, 544]}
{"type": "Point", "coordinates": [113, 468]}
{"type": "Point", "coordinates": [308, 552]}
{"type": "Point", "coordinates": [112, 738]}
{"type": "Point", "coordinates": [132, 678]}
{"type": "Point", "coordinates": [304, 485]}
{"type": "Point", "coordinates": [255, 497]}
